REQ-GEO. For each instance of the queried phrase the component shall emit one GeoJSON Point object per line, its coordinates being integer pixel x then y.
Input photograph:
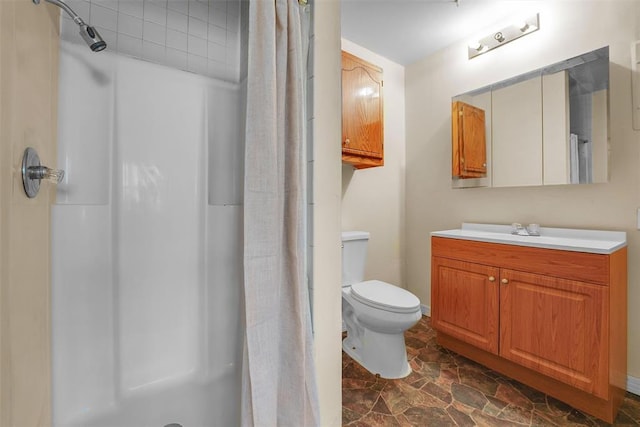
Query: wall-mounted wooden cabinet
{"type": "Point", "coordinates": [469, 145]}
{"type": "Point", "coordinates": [362, 113]}
{"type": "Point", "coordinates": [552, 319]}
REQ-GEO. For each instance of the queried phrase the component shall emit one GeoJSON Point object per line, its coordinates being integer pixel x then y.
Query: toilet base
{"type": "Point", "coordinates": [380, 354]}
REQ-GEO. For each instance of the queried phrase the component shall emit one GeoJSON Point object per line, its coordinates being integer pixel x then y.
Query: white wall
{"type": "Point", "coordinates": [373, 199]}
{"type": "Point", "coordinates": [566, 30]}
{"type": "Point", "coordinates": [324, 167]}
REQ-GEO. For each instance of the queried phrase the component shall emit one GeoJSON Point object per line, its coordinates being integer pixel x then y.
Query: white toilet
{"type": "Point", "coordinates": [375, 313]}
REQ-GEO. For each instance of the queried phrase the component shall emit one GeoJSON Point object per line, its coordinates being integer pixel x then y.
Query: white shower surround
{"type": "Point", "coordinates": [147, 235]}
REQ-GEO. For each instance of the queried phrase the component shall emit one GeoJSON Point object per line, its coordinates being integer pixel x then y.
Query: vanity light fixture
{"type": "Point", "coordinates": [504, 35]}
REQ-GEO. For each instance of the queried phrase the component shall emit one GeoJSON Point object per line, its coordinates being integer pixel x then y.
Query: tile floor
{"type": "Point", "coordinates": [446, 389]}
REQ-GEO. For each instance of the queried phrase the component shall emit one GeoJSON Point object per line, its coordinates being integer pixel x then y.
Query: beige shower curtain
{"type": "Point", "coordinates": [278, 385]}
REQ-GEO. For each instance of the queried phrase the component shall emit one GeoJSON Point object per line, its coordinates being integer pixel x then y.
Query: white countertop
{"type": "Point", "coordinates": [567, 239]}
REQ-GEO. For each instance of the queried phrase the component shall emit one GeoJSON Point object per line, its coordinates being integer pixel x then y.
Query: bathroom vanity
{"type": "Point", "coordinates": [549, 311]}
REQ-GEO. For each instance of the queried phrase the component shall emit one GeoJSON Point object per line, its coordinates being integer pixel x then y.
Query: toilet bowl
{"type": "Point", "coordinates": [375, 314]}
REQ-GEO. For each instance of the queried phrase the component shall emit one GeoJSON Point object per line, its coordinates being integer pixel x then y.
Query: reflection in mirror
{"type": "Point", "coordinates": [545, 127]}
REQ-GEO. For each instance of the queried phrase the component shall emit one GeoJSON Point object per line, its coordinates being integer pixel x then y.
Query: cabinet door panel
{"type": "Point", "coordinates": [469, 146]}
{"type": "Point", "coordinates": [362, 116]}
{"type": "Point", "coordinates": [557, 327]}
{"type": "Point", "coordinates": [465, 302]}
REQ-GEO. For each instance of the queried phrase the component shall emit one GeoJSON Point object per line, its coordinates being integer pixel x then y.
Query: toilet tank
{"type": "Point", "coordinates": [354, 256]}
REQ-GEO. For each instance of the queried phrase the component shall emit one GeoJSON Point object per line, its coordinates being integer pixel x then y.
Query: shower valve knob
{"type": "Point", "coordinates": [33, 172]}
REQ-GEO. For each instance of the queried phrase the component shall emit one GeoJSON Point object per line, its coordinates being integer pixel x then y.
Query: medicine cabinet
{"type": "Point", "coordinates": [545, 127]}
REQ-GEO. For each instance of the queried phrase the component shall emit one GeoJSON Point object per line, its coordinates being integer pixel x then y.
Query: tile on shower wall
{"type": "Point", "coordinates": [233, 8]}
{"type": "Point", "coordinates": [220, 5]}
{"type": "Point", "coordinates": [197, 27]}
{"type": "Point", "coordinates": [218, 17]}
{"type": "Point", "coordinates": [177, 21]}
{"type": "Point", "coordinates": [129, 25]}
{"type": "Point", "coordinates": [131, 7]}
{"type": "Point", "coordinates": [216, 52]}
{"type": "Point", "coordinates": [154, 33]}
{"type": "Point", "coordinates": [176, 40]}
{"type": "Point", "coordinates": [111, 37]}
{"type": "Point", "coordinates": [233, 24]}
{"type": "Point", "coordinates": [217, 35]}
{"type": "Point", "coordinates": [109, 4]}
{"type": "Point", "coordinates": [153, 52]}
{"type": "Point", "coordinates": [68, 31]}
{"type": "Point", "coordinates": [81, 7]}
{"type": "Point", "coordinates": [176, 58]}
{"type": "Point", "coordinates": [155, 12]}
{"type": "Point", "coordinates": [198, 10]}
{"type": "Point", "coordinates": [181, 6]}
{"type": "Point", "coordinates": [216, 69]}
{"type": "Point", "coordinates": [130, 45]}
{"type": "Point", "coordinates": [104, 17]}
{"type": "Point", "coordinates": [232, 54]}
{"type": "Point", "coordinates": [197, 64]}
{"type": "Point", "coordinates": [197, 46]}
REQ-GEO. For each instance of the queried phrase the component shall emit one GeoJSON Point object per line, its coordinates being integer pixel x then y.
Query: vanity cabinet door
{"type": "Point", "coordinates": [468, 141]}
{"type": "Point", "coordinates": [465, 301]}
{"type": "Point", "coordinates": [362, 113]}
{"type": "Point", "coordinates": [557, 327]}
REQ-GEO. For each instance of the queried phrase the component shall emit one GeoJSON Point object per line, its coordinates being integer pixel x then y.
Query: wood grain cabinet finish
{"type": "Point", "coordinates": [552, 319]}
{"type": "Point", "coordinates": [468, 141]}
{"type": "Point", "coordinates": [362, 113]}
{"type": "Point", "coordinates": [465, 302]}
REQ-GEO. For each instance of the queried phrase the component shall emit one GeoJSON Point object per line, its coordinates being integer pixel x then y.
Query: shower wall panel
{"type": "Point", "coordinates": [146, 273]}
{"type": "Point", "coordinates": [160, 185]}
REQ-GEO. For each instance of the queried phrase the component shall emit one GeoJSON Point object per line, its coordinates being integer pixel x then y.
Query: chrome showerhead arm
{"type": "Point", "coordinates": [62, 5]}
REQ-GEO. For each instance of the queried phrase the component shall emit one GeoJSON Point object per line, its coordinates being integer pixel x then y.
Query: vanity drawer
{"type": "Point", "coordinates": [587, 267]}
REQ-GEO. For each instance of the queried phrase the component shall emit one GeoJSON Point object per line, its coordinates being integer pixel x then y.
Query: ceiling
{"type": "Point", "coordinates": [405, 31]}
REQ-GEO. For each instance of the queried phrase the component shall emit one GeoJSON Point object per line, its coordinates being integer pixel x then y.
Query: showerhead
{"type": "Point", "coordinates": [89, 34]}
{"type": "Point", "coordinates": [92, 38]}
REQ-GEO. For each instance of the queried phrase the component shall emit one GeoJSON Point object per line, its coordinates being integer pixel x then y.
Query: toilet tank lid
{"type": "Point", "coordinates": [354, 235]}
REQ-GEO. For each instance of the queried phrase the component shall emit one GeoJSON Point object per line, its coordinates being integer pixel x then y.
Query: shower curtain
{"type": "Point", "coordinates": [278, 385]}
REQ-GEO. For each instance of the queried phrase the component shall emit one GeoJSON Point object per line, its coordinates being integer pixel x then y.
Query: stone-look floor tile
{"type": "Point", "coordinates": [448, 389]}
{"type": "Point", "coordinates": [495, 406]}
{"type": "Point", "coordinates": [631, 407]}
{"type": "Point", "coordinates": [400, 396]}
{"type": "Point", "coordinates": [437, 391]}
{"type": "Point", "coordinates": [478, 380]}
{"type": "Point", "coordinates": [381, 407]}
{"type": "Point", "coordinates": [436, 417]}
{"type": "Point", "coordinates": [461, 419]}
{"type": "Point", "coordinates": [469, 396]}
{"type": "Point", "coordinates": [360, 400]}
{"type": "Point", "coordinates": [516, 414]}
{"type": "Point", "coordinates": [484, 420]}
{"type": "Point", "coordinates": [349, 416]}
{"type": "Point", "coordinates": [509, 394]}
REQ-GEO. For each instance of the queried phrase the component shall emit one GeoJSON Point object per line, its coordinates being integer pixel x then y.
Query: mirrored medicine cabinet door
{"type": "Point", "coordinates": [545, 127]}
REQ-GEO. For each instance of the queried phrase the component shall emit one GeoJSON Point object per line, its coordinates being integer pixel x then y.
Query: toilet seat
{"type": "Point", "coordinates": [384, 296]}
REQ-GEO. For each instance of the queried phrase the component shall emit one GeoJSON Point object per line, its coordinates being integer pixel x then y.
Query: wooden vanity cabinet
{"type": "Point", "coordinates": [468, 141]}
{"type": "Point", "coordinates": [561, 316]}
{"type": "Point", "coordinates": [362, 113]}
